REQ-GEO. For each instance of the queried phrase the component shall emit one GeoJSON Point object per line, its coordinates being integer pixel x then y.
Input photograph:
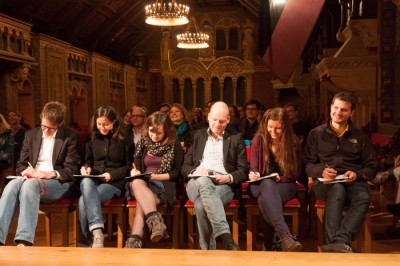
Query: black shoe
{"type": "Point", "coordinates": [232, 246]}
{"type": "Point", "coordinates": [382, 178]}
{"type": "Point", "coordinates": [337, 248]}
{"type": "Point", "coordinates": [394, 209]}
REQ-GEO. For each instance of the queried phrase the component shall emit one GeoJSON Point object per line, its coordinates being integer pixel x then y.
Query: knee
{"type": "Point", "coordinates": [86, 183]}
{"type": "Point", "coordinates": [30, 185]}
{"type": "Point", "coordinates": [137, 184]}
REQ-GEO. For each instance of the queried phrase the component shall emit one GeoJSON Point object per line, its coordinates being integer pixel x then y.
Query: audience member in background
{"type": "Point", "coordinates": [300, 127]}
{"type": "Point", "coordinates": [14, 119]}
{"type": "Point", "coordinates": [165, 107]}
{"type": "Point", "coordinates": [183, 129]}
{"type": "Point", "coordinates": [242, 111]}
{"type": "Point", "coordinates": [108, 156]}
{"type": "Point", "coordinates": [6, 144]}
{"type": "Point", "coordinates": [50, 156]}
{"type": "Point", "coordinates": [157, 152]}
{"type": "Point", "coordinates": [249, 126]}
{"type": "Point", "coordinates": [275, 149]}
{"type": "Point", "coordinates": [234, 116]}
{"type": "Point", "coordinates": [138, 117]}
{"type": "Point", "coordinates": [204, 122]}
{"type": "Point", "coordinates": [261, 112]}
{"type": "Point", "coordinates": [340, 148]}
{"type": "Point", "coordinates": [197, 116]}
{"type": "Point", "coordinates": [126, 119]}
{"type": "Point", "coordinates": [215, 150]}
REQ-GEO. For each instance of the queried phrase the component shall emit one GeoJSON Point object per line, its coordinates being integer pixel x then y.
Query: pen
{"type": "Point", "coordinates": [252, 170]}
{"type": "Point", "coordinates": [30, 164]}
{"type": "Point", "coordinates": [134, 166]}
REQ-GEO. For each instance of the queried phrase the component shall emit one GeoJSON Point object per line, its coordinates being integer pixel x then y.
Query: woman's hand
{"type": "Point", "coordinates": [135, 172]}
{"type": "Point", "coordinates": [254, 176]}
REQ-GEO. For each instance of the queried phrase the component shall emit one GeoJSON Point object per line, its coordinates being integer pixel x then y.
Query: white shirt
{"type": "Point", "coordinates": [45, 159]}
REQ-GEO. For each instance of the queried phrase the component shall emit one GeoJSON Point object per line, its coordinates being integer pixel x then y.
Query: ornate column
{"type": "Point", "coordinates": [194, 87]}
{"type": "Point", "coordinates": [207, 91]}
{"type": "Point", "coordinates": [221, 90]}
{"type": "Point", "coordinates": [181, 88]}
{"type": "Point", "coordinates": [234, 87]}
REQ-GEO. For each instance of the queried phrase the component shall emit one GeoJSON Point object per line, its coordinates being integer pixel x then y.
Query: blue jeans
{"type": "Point", "coordinates": [355, 196]}
{"type": "Point", "coordinates": [209, 201]}
{"type": "Point", "coordinates": [27, 195]}
{"type": "Point", "coordinates": [94, 194]}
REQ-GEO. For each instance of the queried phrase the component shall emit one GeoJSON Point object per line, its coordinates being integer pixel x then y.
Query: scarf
{"type": "Point", "coordinates": [181, 129]}
{"type": "Point", "coordinates": [157, 149]}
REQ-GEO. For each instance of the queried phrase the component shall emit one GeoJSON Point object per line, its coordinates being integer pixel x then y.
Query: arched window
{"type": "Point", "coordinates": [176, 92]}
{"type": "Point", "coordinates": [241, 91]}
{"type": "Point", "coordinates": [200, 93]}
{"type": "Point", "coordinates": [188, 94]}
{"type": "Point", "coordinates": [220, 40]}
{"type": "Point", "coordinates": [233, 39]}
{"type": "Point", "coordinates": [228, 90]}
{"type": "Point", "coordinates": [215, 92]}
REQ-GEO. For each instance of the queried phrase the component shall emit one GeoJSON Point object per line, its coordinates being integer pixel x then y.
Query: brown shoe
{"type": "Point", "coordinates": [157, 227]}
{"type": "Point", "coordinates": [289, 244]}
{"type": "Point", "coordinates": [382, 178]}
{"type": "Point", "coordinates": [133, 242]}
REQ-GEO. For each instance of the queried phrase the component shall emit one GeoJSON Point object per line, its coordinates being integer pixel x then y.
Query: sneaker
{"type": "Point", "coordinates": [231, 245]}
{"type": "Point", "coordinates": [23, 243]}
{"type": "Point", "coordinates": [133, 242]}
{"type": "Point", "coordinates": [337, 248]}
{"type": "Point", "coordinates": [98, 242]}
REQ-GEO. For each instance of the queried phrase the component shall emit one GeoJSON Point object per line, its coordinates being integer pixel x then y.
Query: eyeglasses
{"type": "Point", "coordinates": [51, 129]}
{"type": "Point", "coordinates": [251, 109]}
{"type": "Point", "coordinates": [136, 116]}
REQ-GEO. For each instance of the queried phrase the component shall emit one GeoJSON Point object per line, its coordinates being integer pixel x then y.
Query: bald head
{"type": "Point", "coordinates": [218, 118]}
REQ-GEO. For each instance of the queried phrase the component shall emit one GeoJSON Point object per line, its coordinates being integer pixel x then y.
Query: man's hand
{"type": "Point", "coordinates": [43, 175]}
{"type": "Point", "coordinates": [350, 177]}
{"type": "Point", "coordinates": [106, 177]}
{"type": "Point", "coordinates": [201, 170]}
{"type": "Point", "coordinates": [221, 179]}
{"type": "Point", "coordinates": [329, 173]}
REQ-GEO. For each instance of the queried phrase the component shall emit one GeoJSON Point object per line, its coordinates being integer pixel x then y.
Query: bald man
{"type": "Point", "coordinates": [215, 151]}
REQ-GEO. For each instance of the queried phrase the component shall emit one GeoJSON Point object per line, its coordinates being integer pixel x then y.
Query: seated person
{"type": "Point", "coordinates": [275, 149]}
{"type": "Point", "coordinates": [157, 152]}
{"type": "Point", "coordinates": [109, 155]}
{"type": "Point", "coordinates": [50, 156]}
{"type": "Point", "coordinates": [340, 148]}
{"type": "Point", "coordinates": [215, 149]}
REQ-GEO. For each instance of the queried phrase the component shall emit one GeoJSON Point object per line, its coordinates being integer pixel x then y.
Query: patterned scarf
{"type": "Point", "coordinates": [157, 149]}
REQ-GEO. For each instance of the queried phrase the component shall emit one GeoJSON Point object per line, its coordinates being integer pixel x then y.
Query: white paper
{"type": "Point", "coordinates": [263, 177]}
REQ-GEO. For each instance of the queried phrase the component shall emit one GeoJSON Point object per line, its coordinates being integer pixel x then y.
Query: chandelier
{"type": "Point", "coordinates": [193, 39]}
{"type": "Point", "coordinates": [166, 14]}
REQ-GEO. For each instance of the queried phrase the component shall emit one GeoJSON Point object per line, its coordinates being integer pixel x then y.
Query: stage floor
{"type": "Point", "coordinates": [11, 255]}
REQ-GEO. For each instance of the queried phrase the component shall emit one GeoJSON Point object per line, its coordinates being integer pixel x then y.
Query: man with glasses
{"type": "Point", "coordinates": [50, 156]}
{"type": "Point", "coordinates": [249, 125]}
{"type": "Point", "coordinates": [139, 115]}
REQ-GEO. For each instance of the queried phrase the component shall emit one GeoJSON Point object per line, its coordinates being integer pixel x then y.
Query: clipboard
{"type": "Point", "coordinates": [142, 175]}
{"type": "Point", "coordinates": [90, 176]}
{"type": "Point", "coordinates": [263, 177]}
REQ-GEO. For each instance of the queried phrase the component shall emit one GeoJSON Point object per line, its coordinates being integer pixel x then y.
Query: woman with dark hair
{"type": "Point", "coordinates": [109, 158]}
{"type": "Point", "coordinates": [275, 149]}
{"type": "Point", "coordinates": [178, 115]}
{"type": "Point", "coordinates": [159, 154]}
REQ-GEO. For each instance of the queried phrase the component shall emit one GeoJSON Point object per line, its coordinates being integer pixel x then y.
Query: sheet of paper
{"type": "Point", "coordinates": [263, 177]}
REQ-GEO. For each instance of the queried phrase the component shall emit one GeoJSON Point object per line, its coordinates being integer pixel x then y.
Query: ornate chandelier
{"type": "Point", "coordinates": [193, 39]}
{"type": "Point", "coordinates": [166, 14]}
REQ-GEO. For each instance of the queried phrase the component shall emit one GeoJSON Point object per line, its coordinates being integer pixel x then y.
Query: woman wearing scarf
{"type": "Point", "coordinates": [183, 129]}
{"type": "Point", "coordinates": [160, 155]}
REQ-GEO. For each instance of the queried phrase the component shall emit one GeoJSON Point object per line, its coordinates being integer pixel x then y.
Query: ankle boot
{"type": "Point", "coordinates": [289, 244]}
{"type": "Point", "coordinates": [98, 238]}
{"type": "Point", "coordinates": [157, 227]}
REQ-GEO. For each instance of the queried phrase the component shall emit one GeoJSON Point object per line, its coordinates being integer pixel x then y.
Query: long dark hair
{"type": "Point", "coordinates": [111, 114]}
{"type": "Point", "coordinates": [286, 156]}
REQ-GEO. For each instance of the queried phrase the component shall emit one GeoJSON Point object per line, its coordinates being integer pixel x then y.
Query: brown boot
{"type": "Point", "coordinates": [289, 244]}
{"type": "Point", "coordinates": [157, 227]}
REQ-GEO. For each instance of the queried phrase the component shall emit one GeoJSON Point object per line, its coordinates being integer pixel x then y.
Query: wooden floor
{"type": "Point", "coordinates": [387, 251]}
{"type": "Point", "coordinates": [111, 256]}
